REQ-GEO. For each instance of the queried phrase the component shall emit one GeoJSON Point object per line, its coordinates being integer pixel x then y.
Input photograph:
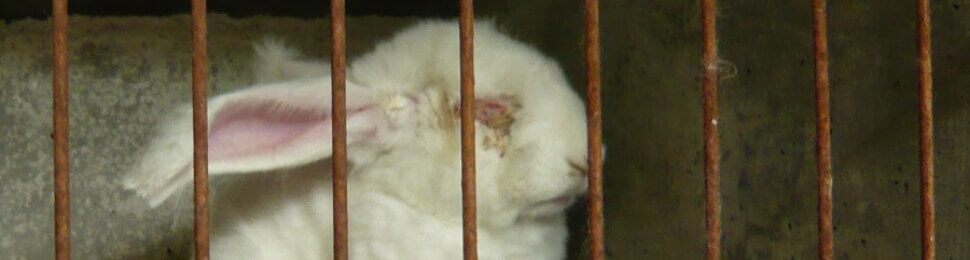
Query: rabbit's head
{"type": "Point", "coordinates": [403, 128]}
{"type": "Point", "coordinates": [530, 126]}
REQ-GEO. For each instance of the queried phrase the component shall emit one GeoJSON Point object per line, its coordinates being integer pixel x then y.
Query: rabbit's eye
{"type": "Point", "coordinates": [579, 168]}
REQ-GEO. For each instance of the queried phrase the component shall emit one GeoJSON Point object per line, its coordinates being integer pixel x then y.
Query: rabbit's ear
{"type": "Point", "coordinates": [271, 127]}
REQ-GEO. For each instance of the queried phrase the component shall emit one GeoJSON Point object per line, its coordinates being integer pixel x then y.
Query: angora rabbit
{"type": "Point", "coordinates": [403, 148]}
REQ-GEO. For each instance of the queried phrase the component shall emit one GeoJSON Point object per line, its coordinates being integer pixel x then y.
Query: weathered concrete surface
{"type": "Point", "coordinates": [652, 120]}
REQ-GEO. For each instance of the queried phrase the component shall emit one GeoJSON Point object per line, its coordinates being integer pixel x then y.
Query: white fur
{"type": "Point", "coordinates": [403, 147]}
{"type": "Point", "coordinates": [277, 62]}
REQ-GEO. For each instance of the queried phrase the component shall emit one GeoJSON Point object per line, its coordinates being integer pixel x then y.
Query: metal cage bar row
{"type": "Point", "coordinates": [594, 126]}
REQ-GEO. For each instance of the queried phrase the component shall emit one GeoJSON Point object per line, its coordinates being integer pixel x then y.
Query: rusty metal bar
{"type": "Point", "coordinates": [712, 157]}
{"type": "Point", "coordinates": [823, 149]}
{"type": "Point", "coordinates": [926, 129]}
{"type": "Point", "coordinates": [200, 81]}
{"type": "Point", "coordinates": [469, 209]}
{"type": "Point", "coordinates": [594, 128]}
{"type": "Point", "coordinates": [338, 72]}
{"type": "Point", "coordinates": [62, 157]}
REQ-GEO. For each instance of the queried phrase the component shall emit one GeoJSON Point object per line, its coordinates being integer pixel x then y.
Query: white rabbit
{"type": "Point", "coordinates": [403, 147]}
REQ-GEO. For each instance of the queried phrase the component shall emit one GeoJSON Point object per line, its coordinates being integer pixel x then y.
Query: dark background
{"type": "Point", "coordinates": [12, 10]}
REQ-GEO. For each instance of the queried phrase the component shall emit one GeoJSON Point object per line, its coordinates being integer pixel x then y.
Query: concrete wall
{"type": "Point", "coordinates": [652, 119]}
{"type": "Point", "coordinates": [125, 70]}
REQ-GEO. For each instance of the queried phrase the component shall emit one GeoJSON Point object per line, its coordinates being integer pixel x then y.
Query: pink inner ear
{"type": "Point", "coordinates": [243, 129]}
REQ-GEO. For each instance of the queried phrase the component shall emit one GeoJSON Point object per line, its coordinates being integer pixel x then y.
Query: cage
{"type": "Point", "coordinates": [130, 60]}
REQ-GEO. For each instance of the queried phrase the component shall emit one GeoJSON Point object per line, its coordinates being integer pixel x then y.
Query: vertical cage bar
{"type": "Point", "coordinates": [467, 110]}
{"type": "Point", "coordinates": [926, 130]}
{"type": "Point", "coordinates": [712, 157]}
{"type": "Point", "coordinates": [823, 149]}
{"type": "Point", "coordinates": [62, 157]}
{"type": "Point", "coordinates": [200, 82]}
{"type": "Point", "coordinates": [594, 130]}
{"type": "Point", "coordinates": [338, 70]}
